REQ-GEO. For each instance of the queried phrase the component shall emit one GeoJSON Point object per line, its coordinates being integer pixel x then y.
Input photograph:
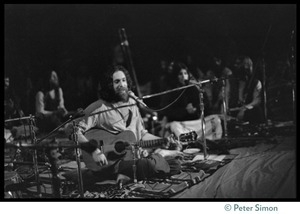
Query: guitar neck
{"type": "Point", "coordinates": [151, 143]}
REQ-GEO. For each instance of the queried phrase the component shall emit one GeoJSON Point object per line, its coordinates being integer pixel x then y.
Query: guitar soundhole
{"type": "Point", "coordinates": [118, 152]}
{"type": "Point", "coordinates": [121, 146]}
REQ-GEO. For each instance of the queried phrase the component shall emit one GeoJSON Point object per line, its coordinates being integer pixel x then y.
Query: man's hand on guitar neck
{"type": "Point", "coordinates": [173, 144]}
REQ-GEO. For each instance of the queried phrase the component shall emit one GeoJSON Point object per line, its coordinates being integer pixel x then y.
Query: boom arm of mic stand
{"type": "Point", "coordinates": [175, 89]}
{"type": "Point", "coordinates": [18, 119]}
{"type": "Point", "coordinates": [54, 130]}
{"type": "Point", "coordinates": [99, 112]}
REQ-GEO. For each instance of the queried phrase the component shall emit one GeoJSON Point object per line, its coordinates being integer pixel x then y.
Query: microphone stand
{"type": "Point", "coordinates": [294, 101]}
{"type": "Point", "coordinates": [35, 162]}
{"type": "Point", "coordinates": [264, 75]}
{"type": "Point", "coordinates": [134, 150]}
{"type": "Point", "coordinates": [292, 73]}
{"type": "Point", "coordinates": [202, 122]}
{"type": "Point", "coordinates": [224, 107]}
{"type": "Point", "coordinates": [79, 173]}
{"type": "Point", "coordinates": [126, 50]}
{"type": "Point", "coordinates": [264, 89]}
{"type": "Point", "coordinates": [56, 183]}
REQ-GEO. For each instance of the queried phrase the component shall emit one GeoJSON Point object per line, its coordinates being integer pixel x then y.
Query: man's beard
{"type": "Point", "coordinates": [121, 94]}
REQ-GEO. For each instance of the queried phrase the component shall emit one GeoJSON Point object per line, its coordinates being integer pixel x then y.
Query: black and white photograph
{"type": "Point", "coordinates": [164, 102]}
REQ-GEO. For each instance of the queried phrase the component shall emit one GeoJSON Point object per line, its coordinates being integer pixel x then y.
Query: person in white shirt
{"type": "Point", "coordinates": [104, 114]}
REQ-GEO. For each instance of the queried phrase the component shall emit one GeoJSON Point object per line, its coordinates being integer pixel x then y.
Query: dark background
{"type": "Point", "coordinates": [77, 39]}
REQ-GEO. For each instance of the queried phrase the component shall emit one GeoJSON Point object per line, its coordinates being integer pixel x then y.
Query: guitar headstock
{"type": "Point", "coordinates": [188, 137]}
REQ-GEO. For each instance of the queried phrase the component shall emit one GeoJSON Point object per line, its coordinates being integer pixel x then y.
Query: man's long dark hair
{"type": "Point", "coordinates": [107, 90]}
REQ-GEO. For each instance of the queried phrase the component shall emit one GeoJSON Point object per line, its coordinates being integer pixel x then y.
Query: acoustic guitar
{"type": "Point", "coordinates": [119, 146]}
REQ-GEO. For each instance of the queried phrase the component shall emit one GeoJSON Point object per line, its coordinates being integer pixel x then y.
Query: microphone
{"type": "Point", "coordinates": [79, 113]}
{"type": "Point", "coordinates": [138, 100]}
{"type": "Point", "coordinates": [215, 79]}
{"type": "Point", "coordinates": [122, 34]}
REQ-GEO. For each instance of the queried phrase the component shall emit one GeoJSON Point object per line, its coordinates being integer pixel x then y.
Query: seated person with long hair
{"type": "Point", "coordinates": [187, 107]}
{"type": "Point", "coordinates": [249, 93]}
{"type": "Point", "coordinates": [183, 115]}
{"type": "Point", "coordinates": [49, 103]}
{"type": "Point", "coordinates": [125, 125]}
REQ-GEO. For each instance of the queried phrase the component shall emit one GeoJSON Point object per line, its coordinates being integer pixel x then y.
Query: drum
{"type": "Point", "coordinates": [10, 152]}
{"type": "Point", "coordinates": [26, 172]}
{"type": "Point", "coordinates": [11, 177]}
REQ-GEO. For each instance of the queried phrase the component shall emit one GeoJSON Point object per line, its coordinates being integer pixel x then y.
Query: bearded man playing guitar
{"type": "Point", "coordinates": [115, 121]}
